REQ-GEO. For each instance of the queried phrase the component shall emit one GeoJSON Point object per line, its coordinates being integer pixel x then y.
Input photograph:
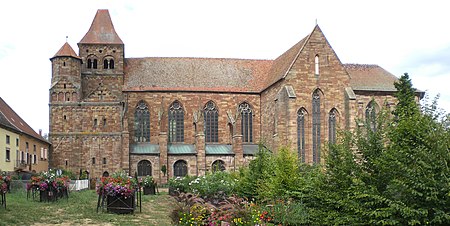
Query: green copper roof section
{"type": "Point", "coordinates": [181, 149]}
{"type": "Point", "coordinates": [219, 149]}
{"type": "Point", "coordinates": [250, 149]}
{"type": "Point", "coordinates": [144, 148]}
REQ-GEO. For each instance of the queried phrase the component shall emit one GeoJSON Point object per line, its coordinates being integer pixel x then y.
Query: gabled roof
{"type": "Point", "coordinates": [370, 77]}
{"type": "Point", "coordinates": [14, 119]}
{"type": "Point", "coordinates": [66, 50]}
{"type": "Point", "coordinates": [102, 30]}
{"type": "Point", "coordinates": [195, 74]}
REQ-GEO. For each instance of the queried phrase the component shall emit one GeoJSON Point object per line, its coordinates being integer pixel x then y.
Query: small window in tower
{"type": "Point", "coordinates": [111, 64]}
{"type": "Point", "coordinates": [104, 122]}
{"type": "Point", "coordinates": [100, 51]}
{"type": "Point", "coordinates": [64, 63]}
{"type": "Point", "coordinates": [93, 161]}
{"type": "Point", "coordinates": [95, 122]}
{"type": "Point", "coordinates": [94, 64]}
{"type": "Point", "coordinates": [67, 162]}
{"type": "Point", "coordinates": [68, 98]}
{"type": "Point", "coordinates": [104, 160]}
{"type": "Point", "coordinates": [105, 64]}
{"type": "Point", "coordinates": [114, 51]}
{"type": "Point", "coordinates": [89, 63]}
{"type": "Point", "coordinates": [65, 117]}
{"type": "Point", "coordinates": [87, 51]}
{"type": "Point", "coordinates": [64, 86]}
{"type": "Point", "coordinates": [316, 65]}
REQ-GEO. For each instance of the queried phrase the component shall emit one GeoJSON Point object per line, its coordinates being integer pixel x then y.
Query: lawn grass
{"type": "Point", "coordinates": [81, 209]}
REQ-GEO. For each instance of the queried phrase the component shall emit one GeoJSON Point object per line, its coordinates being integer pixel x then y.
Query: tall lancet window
{"type": "Point", "coordinates": [176, 122]}
{"type": "Point", "coordinates": [211, 115]}
{"type": "Point", "coordinates": [316, 126]}
{"type": "Point", "coordinates": [246, 122]}
{"type": "Point", "coordinates": [142, 123]}
{"type": "Point", "coordinates": [371, 115]}
{"type": "Point", "coordinates": [332, 126]}
{"type": "Point", "coordinates": [301, 134]}
{"type": "Point", "coordinates": [316, 65]}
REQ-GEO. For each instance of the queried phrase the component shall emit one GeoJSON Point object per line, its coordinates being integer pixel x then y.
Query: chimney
{"type": "Point", "coordinates": [40, 132]}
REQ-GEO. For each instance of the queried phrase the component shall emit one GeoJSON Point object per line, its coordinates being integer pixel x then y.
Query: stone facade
{"type": "Point", "coordinates": [95, 95]}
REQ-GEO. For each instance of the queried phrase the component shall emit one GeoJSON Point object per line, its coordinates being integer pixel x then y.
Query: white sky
{"type": "Point", "coordinates": [400, 36]}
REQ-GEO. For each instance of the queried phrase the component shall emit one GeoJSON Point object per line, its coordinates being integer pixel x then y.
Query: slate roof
{"type": "Point", "coordinates": [195, 74]}
{"type": "Point", "coordinates": [101, 30]}
{"type": "Point", "coordinates": [66, 50]}
{"type": "Point", "coordinates": [14, 119]}
{"type": "Point", "coordinates": [370, 77]}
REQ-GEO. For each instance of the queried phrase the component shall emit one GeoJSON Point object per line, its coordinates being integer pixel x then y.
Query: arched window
{"type": "Point", "coordinates": [94, 64]}
{"type": "Point", "coordinates": [316, 125]}
{"type": "Point", "coordinates": [301, 134]}
{"type": "Point", "coordinates": [105, 64]}
{"type": "Point", "coordinates": [111, 64]}
{"type": "Point", "coordinates": [218, 165]}
{"type": "Point", "coordinates": [144, 168]}
{"type": "Point", "coordinates": [142, 123]}
{"type": "Point", "coordinates": [246, 122]}
{"type": "Point", "coordinates": [332, 126]}
{"type": "Point", "coordinates": [371, 115]}
{"type": "Point", "coordinates": [176, 122]}
{"type": "Point", "coordinates": [316, 65]}
{"type": "Point", "coordinates": [89, 63]}
{"type": "Point", "coordinates": [180, 168]}
{"type": "Point", "coordinates": [211, 116]}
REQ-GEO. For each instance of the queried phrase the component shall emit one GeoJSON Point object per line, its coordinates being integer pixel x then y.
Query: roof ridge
{"type": "Point", "coordinates": [201, 58]}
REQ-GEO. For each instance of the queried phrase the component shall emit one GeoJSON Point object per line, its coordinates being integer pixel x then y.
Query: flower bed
{"type": "Point", "coordinates": [148, 185]}
{"type": "Point", "coordinates": [119, 192]}
{"type": "Point", "coordinates": [50, 185]}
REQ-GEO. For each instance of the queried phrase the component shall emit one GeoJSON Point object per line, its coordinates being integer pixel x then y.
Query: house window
{"type": "Point", "coordinates": [371, 115]}
{"type": "Point", "coordinates": [34, 159]}
{"type": "Point", "coordinates": [301, 134]}
{"type": "Point", "coordinates": [17, 142]}
{"type": "Point", "coordinates": [246, 122]}
{"type": "Point", "coordinates": [8, 155]}
{"type": "Point", "coordinates": [34, 148]}
{"type": "Point", "coordinates": [27, 146]}
{"type": "Point", "coordinates": [7, 139]}
{"type": "Point", "coordinates": [211, 115]}
{"type": "Point", "coordinates": [332, 126]}
{"type": "Point", "coordinates": [316, 65]}
{"type": "Point", "coordinates": [180, 168]}
{"type": "Point", "coordinates": [144, 168]}
{"type": "Point", "coordinates": [218, 165]}
{"type": "Point", "coordinates": [142, 123]}
{"type": "Point", "coordinates": [316, 126]}
{"type": "Point", "coordinates": [176, 122]}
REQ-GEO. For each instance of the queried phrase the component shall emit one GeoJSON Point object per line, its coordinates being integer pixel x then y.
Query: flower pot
{"type": "Point", "coordinates": [173, 191]}
{"type": "Point", "coordinates": [46, 196]}
{"type": "Point", "coordinates": [120, 204]}
{"type": "Point", "coordinates": [149, 190]}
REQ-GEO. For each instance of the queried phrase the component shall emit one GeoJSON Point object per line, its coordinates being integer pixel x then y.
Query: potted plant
{"type": "Point", "coordinates": [119, 192]}
{"type": "Point", "coordinates": [51, 185]}
{"type": "Point", "coordinates": [149, 185]}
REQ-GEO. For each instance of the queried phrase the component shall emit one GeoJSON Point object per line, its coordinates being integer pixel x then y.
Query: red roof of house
{"type": "Point", "coordinates": [195, 74]}
{"type": "Point", "coordinates": [370, 77]}
{"type": "Point", "coordinates": [66, 50]}
{"type": "Point", "coordinates": [15, 120]}
{"type": "Point", "coordinates": [102, 30]}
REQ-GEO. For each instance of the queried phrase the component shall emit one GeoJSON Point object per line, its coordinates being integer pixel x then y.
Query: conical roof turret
{"type": "Point", "coordinates": [66, 50]}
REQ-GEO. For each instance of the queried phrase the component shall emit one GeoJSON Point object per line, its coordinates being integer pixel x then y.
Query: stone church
{"type": "Point", "coordinates": [194, 115]}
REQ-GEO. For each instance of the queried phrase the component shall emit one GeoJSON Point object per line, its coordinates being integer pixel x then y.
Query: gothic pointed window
{"type": "Point", "coordinates": [246, 122]}
{"type": "Point", "coordinates": [144, 168]}
{"type": "Point", "coordinates": [301, 134]}
{"type": "Point", "coordinates": [211, 115]}
{"type": "Point", "coordinates": [142, 123]}
{"type": "Point", "coordinates": [218, 165]}
{"type": "Point", "coordinates": [316, 125]}
{"type": "Point", "coordinates": [371, 115]}
{"type": "Point", "coordinates": [180, 168]}
{"type": "Point", "coordinates": [332, 126]}
{"type": "Point", "coordinates": [176, 122]}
